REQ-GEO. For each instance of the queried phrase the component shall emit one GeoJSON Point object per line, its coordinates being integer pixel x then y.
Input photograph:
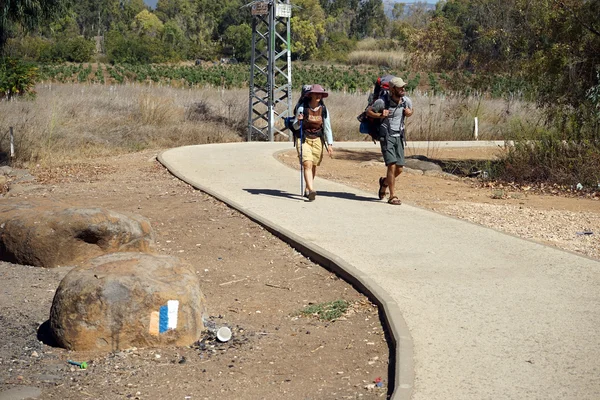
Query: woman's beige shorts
{"type": "Point", "coordinates": [312, 150]}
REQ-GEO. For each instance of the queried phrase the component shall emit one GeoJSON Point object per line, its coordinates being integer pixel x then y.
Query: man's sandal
{"type": "Point", "coordinates": [394, 201]}
{"type": "Point", "coordinates": [382, 188]}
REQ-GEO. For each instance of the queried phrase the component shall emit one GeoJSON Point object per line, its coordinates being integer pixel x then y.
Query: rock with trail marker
{"type": "Point", "coordinates": [123, 300]}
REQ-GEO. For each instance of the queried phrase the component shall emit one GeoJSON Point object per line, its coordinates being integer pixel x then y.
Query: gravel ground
{"type": "Point", "coordinates": [578, 232]}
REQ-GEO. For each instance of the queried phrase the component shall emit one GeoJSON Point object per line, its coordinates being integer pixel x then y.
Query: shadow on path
{"type": "Point", "coordinates": [324, 193]}
{"type": "Point", "coordinates": [275, 193]}
{"type": "Point", "coordinates": [345, 195]}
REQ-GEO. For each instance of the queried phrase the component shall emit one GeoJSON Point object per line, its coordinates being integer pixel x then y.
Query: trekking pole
{"type": "Point", "coordinates": [301, 164]}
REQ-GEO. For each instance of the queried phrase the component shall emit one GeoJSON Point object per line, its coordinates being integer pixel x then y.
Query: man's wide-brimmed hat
{"type": "Point", "coordinates": [318, 89]}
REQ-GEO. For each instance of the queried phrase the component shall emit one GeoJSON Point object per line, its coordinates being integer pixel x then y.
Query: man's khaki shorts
{"type": "Point", "coordinates": [312, 150]}
{"type": "Point", "coordinates": [392, 149]}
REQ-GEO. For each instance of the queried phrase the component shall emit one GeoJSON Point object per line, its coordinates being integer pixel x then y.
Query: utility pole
{"type": "Point", "coordinates": [270, 98]}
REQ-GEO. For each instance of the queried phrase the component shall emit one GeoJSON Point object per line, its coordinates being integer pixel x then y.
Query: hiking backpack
{"type": "Point", "coordinates": [381, 90]}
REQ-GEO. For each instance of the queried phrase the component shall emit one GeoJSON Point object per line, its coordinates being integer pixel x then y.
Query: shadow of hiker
{"type": "Point", "coordinates": [345, 195]}
{"type": "Point", "coordinates": [275, 193]}
{"type": "Point", "coordinates": [280, 193]}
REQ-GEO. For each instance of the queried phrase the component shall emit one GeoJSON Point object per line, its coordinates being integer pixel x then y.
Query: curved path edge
{"type": "Point", "coordinates": [401, 339]}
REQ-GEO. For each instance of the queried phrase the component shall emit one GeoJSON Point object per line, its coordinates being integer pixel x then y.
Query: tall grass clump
{"type": "Point", "coordinates": [390, 59]}
{"type": "Point", "coordinates": [545, 157]}
{"type": "Point", "coordinates": [380, 52]}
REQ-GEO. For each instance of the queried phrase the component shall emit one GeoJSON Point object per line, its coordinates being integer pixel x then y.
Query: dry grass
{"type": "Point", "coordinates": [384, 53]}
{"type": "Point", "coordinates": [74, 122]}
{"type": "Point", "coordinates": [70, 121]}
{"type": "Point", "coordinates": [395, 59]}
{"type": "Point", "coordinates": [366, 44]}
{"type": "Point", "coordinates": [447, 117]}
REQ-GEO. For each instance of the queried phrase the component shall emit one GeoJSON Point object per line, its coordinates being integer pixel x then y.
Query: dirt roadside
{"type": "Point", "coordinates": [254, 283]}
{"type": "Point", "coordinates": [554, 218]}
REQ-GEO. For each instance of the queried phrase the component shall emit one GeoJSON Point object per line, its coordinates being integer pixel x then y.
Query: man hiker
{"type": "Point", "coordinates": [392, 112]}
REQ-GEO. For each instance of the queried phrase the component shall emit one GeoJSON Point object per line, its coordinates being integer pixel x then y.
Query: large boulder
{"type": "Point", "coordinates": [122, 300]}
{"type": "Point", "coordinates": [422, 163]}
{"type": "Point", "coordinates": [47, 234]}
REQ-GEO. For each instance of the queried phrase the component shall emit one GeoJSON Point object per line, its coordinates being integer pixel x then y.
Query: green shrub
{"type": "Point", "coordinates": [239, 40]}
{"type": "Point", "coordinates": [549, 158]}
{"type": "Point", "coordinates": [80, 49]}
{"type": "Point", "coordinates": [29, 48]}
{"type": "Point", "coordinates": [16, 78]}
{"type": "Point", "coordinates": [336, 49]}
{"type": "Point", "coordinates": [134, 49]}
{"type": "Point", "coordinates": [68, 49]}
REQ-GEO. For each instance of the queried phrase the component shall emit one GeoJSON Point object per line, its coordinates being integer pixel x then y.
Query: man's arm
{"type": "Point", "coordinates": [377, 110]}
{"type": "Point", "coordinates": [408, 107]}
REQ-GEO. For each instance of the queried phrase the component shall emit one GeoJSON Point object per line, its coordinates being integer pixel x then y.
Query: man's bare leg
{"type": "Point", "coordinates": [390, 178]}
{"type": "Point", "coordinates": [393, 171]}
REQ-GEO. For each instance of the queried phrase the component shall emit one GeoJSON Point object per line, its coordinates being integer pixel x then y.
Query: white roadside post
{"type": "Point", "coordinates": [12, 143]}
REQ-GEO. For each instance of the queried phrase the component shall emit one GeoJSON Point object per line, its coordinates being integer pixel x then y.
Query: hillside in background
{"type": "Point", "coordinates": [388, 6]}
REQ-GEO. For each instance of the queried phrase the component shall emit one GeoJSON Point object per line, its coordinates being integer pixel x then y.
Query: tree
{"type": "Point", "coordinates": [417, 14]}
{"type": "Point", "coordinates": [398, 10]}
{"type": "Point", "coordinates": [307, 28]}
{"type": "Point", "coordinates": [239, 39]}
{"type": "Point", "coordinates": [371, 20]}
{"type": "Point", "coordinates": [147, 24]}
{"type": "Point", "coordinates": [334, 8]}
{"type": "Point", "coordinates": [222, 14]}
{"type": "Point", "coordinates": [28, 14]}
{"type": "Point", "coordinates": [566, 67]}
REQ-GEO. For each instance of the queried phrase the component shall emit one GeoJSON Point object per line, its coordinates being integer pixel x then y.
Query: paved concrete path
{"type": "Point", "coordinates": [476, 314]}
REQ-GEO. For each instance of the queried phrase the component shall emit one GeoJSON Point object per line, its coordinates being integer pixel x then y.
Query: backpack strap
{"type": "Point", "coordinates": [386, 100]}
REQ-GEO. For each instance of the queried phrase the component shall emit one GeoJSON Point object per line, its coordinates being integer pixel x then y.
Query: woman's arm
{"type": "Point", "coordinates": [299, 116]}
{"type": "Point", "coordinates": [327, 130]}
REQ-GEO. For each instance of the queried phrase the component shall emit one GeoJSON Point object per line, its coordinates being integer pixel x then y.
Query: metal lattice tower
{"type": "Point", "coordinates": [270, 70]}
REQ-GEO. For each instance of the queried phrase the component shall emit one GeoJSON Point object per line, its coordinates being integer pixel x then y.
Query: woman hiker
{"type": "Point", "coordinates": [316, 134]}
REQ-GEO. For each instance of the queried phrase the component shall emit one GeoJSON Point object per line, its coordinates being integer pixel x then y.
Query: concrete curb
{"type": "Point", "coordinates": [402, 379]}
